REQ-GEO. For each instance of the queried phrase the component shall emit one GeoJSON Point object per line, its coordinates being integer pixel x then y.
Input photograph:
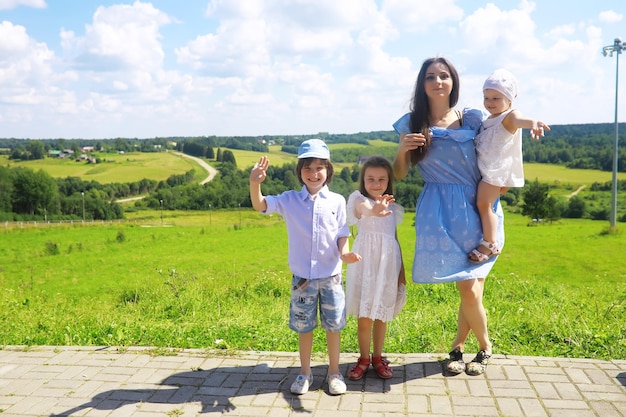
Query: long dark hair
{"type": "Point", "coordinates": [420, 107]}
{"type": "Point", "coordinates": [376, 162]}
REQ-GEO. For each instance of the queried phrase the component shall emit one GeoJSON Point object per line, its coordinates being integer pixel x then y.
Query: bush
{"type": "Point", "coordinates": [52, 248]}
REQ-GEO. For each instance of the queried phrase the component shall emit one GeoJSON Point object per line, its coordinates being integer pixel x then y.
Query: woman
{"type": "Point", "coordinates": [439, 139]}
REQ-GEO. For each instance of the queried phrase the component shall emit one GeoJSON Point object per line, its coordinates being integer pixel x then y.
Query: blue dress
{"type": "Point", "coordinates": [447, 223]}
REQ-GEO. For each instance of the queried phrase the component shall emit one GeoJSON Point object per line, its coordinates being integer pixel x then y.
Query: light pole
{"type": "Point", "coordinates": [83, 194]}
{"type": "Point", "coordinates": [617, 48]}
{"type": "Point", "coordinates": [209, 215]}
{"type": "Point", "coordinates": [161, 202]}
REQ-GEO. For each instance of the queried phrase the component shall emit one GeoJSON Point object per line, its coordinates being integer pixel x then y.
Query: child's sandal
{"type": "Point", "coordinates": [477, 257]}
{"type": "Point", "coordinates": [357, 371]}
{"type": "Point", "coordinates": [381, 366]}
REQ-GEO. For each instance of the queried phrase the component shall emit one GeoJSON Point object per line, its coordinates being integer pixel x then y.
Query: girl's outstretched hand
{"type": "Point", "coordinates": [537, 131]}
{"type": "Point", "coordinates": [381, 206]}
{"type": "Point", "coordinates": [259, 171]}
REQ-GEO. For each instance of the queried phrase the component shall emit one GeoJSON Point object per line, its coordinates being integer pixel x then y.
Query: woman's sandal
{"type": "Point", "coordinates": [381, 366]}
{"type": "Point", "coordinates": [357, 371]}
{"type": "Point", "coordinates": [480, 257]}
{"type": "Point", "coordinates": [455, 364]}
{"type": "Point", "coordinates": [478, 365]}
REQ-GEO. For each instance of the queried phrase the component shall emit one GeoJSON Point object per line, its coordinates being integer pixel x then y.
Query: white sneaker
{"type": "Point", "coordinates": [336, 386]}
{"type": "Point", "coordinates": [301, 384]}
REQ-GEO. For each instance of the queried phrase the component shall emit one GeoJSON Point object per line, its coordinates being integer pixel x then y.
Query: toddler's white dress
{"type": "Point", "coordinates": [500, 153]}
{"type": "Point", "coordinates": [372, 284]}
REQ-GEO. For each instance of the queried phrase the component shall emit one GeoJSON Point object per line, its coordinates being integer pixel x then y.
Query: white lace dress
{"type": "Point", "coordinates": [500, 153]}
{"type": "Point", "coordinates": [372, 284]}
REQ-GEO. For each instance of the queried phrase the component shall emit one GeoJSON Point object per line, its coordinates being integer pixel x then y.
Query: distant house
{"type": "Point", "coordinates": [87, 148]}
{"type": "Point", "coordinates": [65, 153]}
{"type": "Point", "coordinates": [362, 160]}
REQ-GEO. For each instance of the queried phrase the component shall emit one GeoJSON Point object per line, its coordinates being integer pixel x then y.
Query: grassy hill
{"type": "Point", "coordinates": [115, 168]}
{"type": "Point", "coordinates": [136, 166]}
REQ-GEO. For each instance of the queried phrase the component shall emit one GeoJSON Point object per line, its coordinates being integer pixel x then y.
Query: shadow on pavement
{"type": "Point", "coordinates": [214, 388]}
{"type": "Point", "coordinates": [621, 377]}
{"type": "Point", "coordinates": [401, 374]}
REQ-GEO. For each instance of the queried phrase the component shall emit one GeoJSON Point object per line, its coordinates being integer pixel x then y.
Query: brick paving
{"type": "Point", "coordinates": [92, 381]}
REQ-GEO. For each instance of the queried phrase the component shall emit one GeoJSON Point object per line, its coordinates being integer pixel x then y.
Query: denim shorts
{"type": "Point", "coordinates": [307, 294]}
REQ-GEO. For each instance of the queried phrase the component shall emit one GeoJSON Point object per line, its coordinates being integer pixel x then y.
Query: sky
{"type": "Point", "coordinates": [98, 69]}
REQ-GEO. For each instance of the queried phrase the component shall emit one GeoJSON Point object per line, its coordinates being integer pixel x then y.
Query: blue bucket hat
{"type": "Point", "coordinates": [313, 148]}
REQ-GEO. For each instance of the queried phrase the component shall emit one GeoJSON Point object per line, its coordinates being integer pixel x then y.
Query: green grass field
{"type": "Point", "coordinates": [197, 278]}
{"type": "Point", "coordinates": [193, 278]}
{"type": "Point", "coordinates": [116, 168]}
{"type": "Point", "coordinates": [560, 175]}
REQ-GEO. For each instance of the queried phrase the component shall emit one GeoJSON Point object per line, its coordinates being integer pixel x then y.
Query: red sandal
{"type": "Point", "coordinates": [381, 365]}
{"type": "Point", "coordinates": [357, 371]}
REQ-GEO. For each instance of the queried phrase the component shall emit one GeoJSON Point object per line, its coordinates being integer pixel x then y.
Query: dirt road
{"type": "Point", "coordinates": [212, 172]}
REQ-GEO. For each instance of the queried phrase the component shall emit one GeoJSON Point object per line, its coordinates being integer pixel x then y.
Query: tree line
{"type": "Point", "coordinates": [26, 194]}
{"type": "Point", "coordinates": [583, 146]}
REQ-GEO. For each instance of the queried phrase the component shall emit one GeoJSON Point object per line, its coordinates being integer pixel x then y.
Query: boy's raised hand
{"type": "Point", "coordinates": [259, 170]}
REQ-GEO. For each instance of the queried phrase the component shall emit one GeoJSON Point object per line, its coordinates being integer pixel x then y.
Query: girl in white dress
{"type": "Point", "coordinates": [375, 287]}
{"type": "Point", "coordinates": [499, 151]}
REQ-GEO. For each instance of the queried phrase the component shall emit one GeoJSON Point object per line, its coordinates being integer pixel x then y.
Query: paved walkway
{"type": "Point", "coordinates": [89, 381]}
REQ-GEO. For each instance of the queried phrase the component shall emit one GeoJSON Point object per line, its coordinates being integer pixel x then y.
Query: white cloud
{"type": "Point", "coordinates": [610, 16]}
{"type": "Point", "coordinates": [238, 48]}
{"type": "Point", "coordinates": [120, 61]}
{"type": "Point", "coordinates": [248, 67]}
{"type": "Point", "coordinates": [13, 40]}
{"type": "Point", "coordinates": [420, 16]}
{"type": "Point", "coordinates": [12, 4]}
{"type": "Point", "coordinates": [511, 32]}
{"type": "Point", "coordinates": [252, 34]}
{"type": "Point", "coordinates": [25, 65]}
{"type": "Point", "coordinates": [561, 31]}
{"type": "Point", "coordinates": [121, 37]}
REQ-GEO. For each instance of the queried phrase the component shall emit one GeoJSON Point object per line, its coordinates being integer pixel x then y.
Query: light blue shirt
{"type": "Point", "coordinates": [313, 228]}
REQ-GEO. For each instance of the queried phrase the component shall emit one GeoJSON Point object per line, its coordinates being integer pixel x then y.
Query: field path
{"type": "Point", "coordinates": [582, 187]}
{"type": "Point", "coordinates": [126, 200]}
{"type": "Point", "coordinates": [211, 171]}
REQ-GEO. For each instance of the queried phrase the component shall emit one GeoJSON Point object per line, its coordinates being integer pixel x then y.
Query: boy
{"type": "Point", "coordinates": [318, 243]}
